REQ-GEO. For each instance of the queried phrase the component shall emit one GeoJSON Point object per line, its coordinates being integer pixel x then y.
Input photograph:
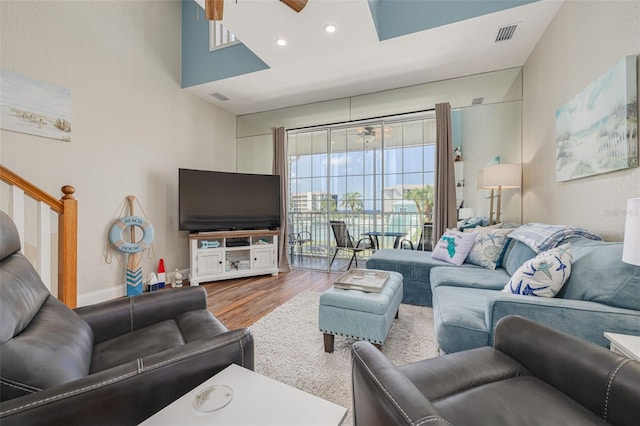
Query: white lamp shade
{"type": "Point", "coordinates": [631, 250]}
{"type": "Point", "coordinates": [480, 180]}
{"type": "Point", "coordinates": [507, 176]}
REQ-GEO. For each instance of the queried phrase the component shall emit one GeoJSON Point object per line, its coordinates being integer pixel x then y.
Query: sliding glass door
{"type": "Point", "coordinates": [375, 177]}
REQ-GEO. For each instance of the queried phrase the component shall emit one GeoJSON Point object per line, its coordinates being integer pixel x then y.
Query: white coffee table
{"type": "Point", "coordinates": [624, 344]}
{"type": "Point", "coordinates": [257, 400]}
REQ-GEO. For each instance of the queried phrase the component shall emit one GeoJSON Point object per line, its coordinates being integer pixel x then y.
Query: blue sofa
{"type": "Point", "coordinates": [601, 294]}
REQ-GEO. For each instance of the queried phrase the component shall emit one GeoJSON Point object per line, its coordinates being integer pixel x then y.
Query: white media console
{"type": "Point", "coordinates": [232, 254]}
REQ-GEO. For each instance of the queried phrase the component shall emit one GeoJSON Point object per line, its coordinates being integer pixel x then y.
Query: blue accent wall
{"type": "Point", "coordinates": [395, 18]}
{"type": "Point", "coordinates": [199, 65]}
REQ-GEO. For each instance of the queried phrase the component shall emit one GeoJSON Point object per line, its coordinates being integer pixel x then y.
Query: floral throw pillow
{"type": "Point", "coordinates": [488, 247]}
{"type": "Point", "coordinates": [453, 247]}
{"type": "Point", "coordinates": [544, 275]}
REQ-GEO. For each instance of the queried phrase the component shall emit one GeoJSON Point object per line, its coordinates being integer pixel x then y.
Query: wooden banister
{"type": "Point", "coordinates": [67, 209]}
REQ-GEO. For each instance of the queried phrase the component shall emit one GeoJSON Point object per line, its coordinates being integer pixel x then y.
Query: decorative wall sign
{"type": "Point", "coordinates": [597, 130]}
{"type": "Point", "coordinates": [35, 107]}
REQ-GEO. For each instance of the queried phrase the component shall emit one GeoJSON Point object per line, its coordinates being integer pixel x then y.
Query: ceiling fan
{"type": "Point", "coordinates": [213, 8]}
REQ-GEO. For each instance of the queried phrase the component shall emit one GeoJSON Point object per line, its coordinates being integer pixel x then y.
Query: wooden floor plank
{"type": "Point", "coordinates": [240, 302]}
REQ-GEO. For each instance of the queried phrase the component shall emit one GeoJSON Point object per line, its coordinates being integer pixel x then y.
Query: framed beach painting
{"type": "Point", "coordinates": [597, 130]}
{"type": "Point", "coordinates": [35, 107]}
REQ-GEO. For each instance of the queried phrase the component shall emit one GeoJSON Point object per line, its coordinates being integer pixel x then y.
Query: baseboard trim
{"type": "Point", "coordinates": [98, 296]}
{"type": "Point", "coordinates": [116, 291]}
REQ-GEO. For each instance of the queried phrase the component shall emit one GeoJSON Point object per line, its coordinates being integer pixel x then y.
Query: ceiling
{"type": "Point", "coordinates": [317, 66]}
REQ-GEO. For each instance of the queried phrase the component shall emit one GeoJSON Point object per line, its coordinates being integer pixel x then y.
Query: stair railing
{"type": "Point", "coordinates": [67, 210]}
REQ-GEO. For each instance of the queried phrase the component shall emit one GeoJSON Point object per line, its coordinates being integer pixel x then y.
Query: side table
{"type": "Point", "coordinates": [624, 344]}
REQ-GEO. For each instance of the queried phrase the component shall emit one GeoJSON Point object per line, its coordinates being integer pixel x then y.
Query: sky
{"type": "Point", "coordinates": [356, 171]}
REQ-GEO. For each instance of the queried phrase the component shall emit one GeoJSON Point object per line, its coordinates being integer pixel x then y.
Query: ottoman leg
{"type": "Point", "coordinates": [378, 345]}
{"type": "Point", "coordinates": [398, 312]}
{"type": "Point", "coordinates": [328, 342]}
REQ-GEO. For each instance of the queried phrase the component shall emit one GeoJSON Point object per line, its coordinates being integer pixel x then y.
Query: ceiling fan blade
{"type": "Point", "coordinates": [296, 5]}
{"type": "Point", "coordinates": [213, 9]}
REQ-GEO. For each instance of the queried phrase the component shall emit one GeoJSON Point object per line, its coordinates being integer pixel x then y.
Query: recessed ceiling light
{"type": "Point", "coordinates": [330, 28]}
{"type": "Point", "coordinates": [281, 42]}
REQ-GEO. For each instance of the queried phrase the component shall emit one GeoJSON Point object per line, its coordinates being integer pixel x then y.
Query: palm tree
{"type": "Point", "coordinates": [423, 197]}
{"type": "Point", "coordinates": [322, 205]}
{"type": "Point", "coordinates": [353, 201]}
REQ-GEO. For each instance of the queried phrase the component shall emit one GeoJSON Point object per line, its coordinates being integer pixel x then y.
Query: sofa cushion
{"type": "Point", "coordinates": [488, 247]}
{"type": "Point", "coordinates": [54, 349]}
{"type": "Point", "coordinates": [515, 401]}
{"type": "Point", "coordinates": [415, 267]}
{"type": "Point", "coordinates": [515, 254]}
{"type": "Point", "coordinates": [164, 335]}
{"type": "Point", "coordinates": [474, 277]}
{"type": "Point", "coordinates": [600, 275]}
{"type": "Point", "coordinates": [544, 275]}
{"type": "Point", "coordinates": [454, 246]}
{"type": "Point", "coordinates": [9, 237]}
{"type": "Point", "coordinates": [459, 317]}
{"type": "Point", "coordinates": [23, 293]}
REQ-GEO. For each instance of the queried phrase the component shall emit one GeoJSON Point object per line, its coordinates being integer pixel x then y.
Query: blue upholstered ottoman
{"type": "Point", "coordinates": [354, 313]}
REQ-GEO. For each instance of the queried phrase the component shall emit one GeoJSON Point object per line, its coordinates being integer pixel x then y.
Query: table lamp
{"type": "Point", "coordinates": [501, 176]}
{"type": "Point", "coordinates": [631, 249]}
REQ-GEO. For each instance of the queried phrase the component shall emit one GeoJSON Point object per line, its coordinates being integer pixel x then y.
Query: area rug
{"type": "Point", "coordinates": [289, 348]}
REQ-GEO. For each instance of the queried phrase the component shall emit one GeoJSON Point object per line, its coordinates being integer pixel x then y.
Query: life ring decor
{"type": "Point", "coordinates": [116, 238]}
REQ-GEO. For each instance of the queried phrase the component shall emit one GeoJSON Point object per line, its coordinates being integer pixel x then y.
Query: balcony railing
{"type": "Point", "coordinates": [323, 242]}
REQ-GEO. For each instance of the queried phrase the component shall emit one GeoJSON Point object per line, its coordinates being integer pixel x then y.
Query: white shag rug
{"type": "Point", "coordinates": [289, 348]}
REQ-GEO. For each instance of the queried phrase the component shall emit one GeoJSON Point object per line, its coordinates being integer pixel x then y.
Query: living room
{"type": "Point", "coordinates": [135, 126]}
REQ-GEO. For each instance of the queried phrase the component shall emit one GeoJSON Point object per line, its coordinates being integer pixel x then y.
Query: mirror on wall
{"type": "Point", "coordinates": [489, 132]}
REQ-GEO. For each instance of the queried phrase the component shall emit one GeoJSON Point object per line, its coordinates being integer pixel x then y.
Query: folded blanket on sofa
{"type": "Point", "coordinates": [541, 236]}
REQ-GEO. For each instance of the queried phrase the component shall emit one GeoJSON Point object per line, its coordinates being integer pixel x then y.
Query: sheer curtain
{"type": "Point", "coordinates": [445, 216]}
{"type": "Point", "coordinates": [280, 167]}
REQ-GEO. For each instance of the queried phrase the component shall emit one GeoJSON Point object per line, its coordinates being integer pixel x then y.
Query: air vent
{"type": "Point", "coordinates": [506, 33]}
{"type": "Point", "coordinates": [219, 96]}
{"type": "Point", "coordinates": [477, 101]}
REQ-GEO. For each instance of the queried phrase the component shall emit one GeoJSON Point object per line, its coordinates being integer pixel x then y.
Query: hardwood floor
{"type": "Point", "coordinates": [240, 302]}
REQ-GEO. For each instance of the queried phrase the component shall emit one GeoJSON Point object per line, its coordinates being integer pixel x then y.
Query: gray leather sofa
{"type": "Point", "coordinates": [534, 375]}
{"type": "Point", "coordinates": [114, 363]}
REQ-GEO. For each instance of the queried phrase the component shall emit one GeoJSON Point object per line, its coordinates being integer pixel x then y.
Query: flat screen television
{"type": "Point", "coordinates": [219, 201]}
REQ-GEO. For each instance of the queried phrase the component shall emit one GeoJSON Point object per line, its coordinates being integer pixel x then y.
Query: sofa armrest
{"type": "Point", "coordinates": [382, 395]}
{"type": "Point", "coordinates": [120, 316]}
{"type": "Point", "coordinates": [586, 320]}
{"type": "Point", "coordinates": [130, 393]}
{"type": "Point", "coordinates": [595, 377]}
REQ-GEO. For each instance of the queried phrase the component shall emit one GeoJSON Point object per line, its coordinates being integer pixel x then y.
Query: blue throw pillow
{"type": "Point", "coordinates": [544, 275]}
{"type": "Point", "coordinates": [488, 247]}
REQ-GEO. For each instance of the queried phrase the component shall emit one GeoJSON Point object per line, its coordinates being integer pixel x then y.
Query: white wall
{"type": "Point", "coordinates": [133, 126]}
{"type": "Point", "coordinates": [584, 40]}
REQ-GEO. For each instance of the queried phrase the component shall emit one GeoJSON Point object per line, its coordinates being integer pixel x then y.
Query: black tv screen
{"type": "Point", "coordinates": [218, 201]}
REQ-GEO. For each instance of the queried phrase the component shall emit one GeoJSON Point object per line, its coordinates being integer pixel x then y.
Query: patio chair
{"type": "Point", "coordinates": [299, 239]}
{"type": "Point", "coordinates": [425, 243]}
{"type": "Point", "coordinates": [344, 241]}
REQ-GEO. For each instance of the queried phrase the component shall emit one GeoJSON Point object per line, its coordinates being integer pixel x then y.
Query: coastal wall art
{"type": "Point", "coordinates": [597, 130]}
{"type": "Point", "coordinates": [35, 107]}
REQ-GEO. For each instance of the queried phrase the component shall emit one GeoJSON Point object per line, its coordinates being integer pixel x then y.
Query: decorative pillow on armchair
{"type": "Point", "coordinates": [488, 246]}
{"type": "Point", "coordinates": [544, 275]}
{"type": "Point", "coordinates": [453, 247]}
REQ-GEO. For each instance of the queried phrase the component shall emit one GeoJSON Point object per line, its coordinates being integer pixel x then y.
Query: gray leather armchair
{"type": "Point", "coordinates": [534, 375]}
{"type": "Point", "coordinates": [116, 362]}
